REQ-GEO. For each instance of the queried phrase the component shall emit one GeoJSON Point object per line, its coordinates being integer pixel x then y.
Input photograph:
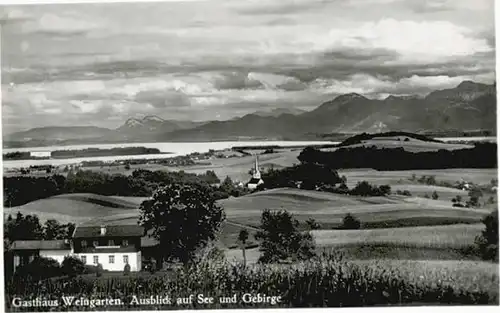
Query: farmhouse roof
{"type": "Point", "coordinates": [254, 181]}
{"type": "Point", "coordinates": [111, 231]}
{"type": "Point", "coordinates": [40, 245]}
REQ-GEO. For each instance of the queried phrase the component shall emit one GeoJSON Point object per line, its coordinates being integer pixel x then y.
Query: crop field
{"type": "Point", "coordinates": [444, 236]}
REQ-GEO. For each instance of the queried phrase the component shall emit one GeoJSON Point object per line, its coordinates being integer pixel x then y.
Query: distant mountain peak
{"type": "Point", "coordinates": [349, 97]}
{"type": "Point", "coordinates": [468, 84]}
{"type": "Point", "coordinates": [133, 122]}
{"type": "Point", "coordinates": [406, 97]}
{"type": "Point", "coordinates": [153, 118]}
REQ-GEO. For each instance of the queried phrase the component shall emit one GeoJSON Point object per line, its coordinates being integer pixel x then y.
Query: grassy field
{"type": "Point", "coordinates": [329, 209]}
{"type": "Point", "coordinates": [443, 236]}
{"type": "Point", "coordinates": [76, 208]}
{"type": "Point", "coordinates": [412, 145]}
{"type": "Point", "coordinates": [393, 178]}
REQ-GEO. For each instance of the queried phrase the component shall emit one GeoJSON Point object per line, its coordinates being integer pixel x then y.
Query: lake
{"type": "Point", "coordinates": [176, 149]}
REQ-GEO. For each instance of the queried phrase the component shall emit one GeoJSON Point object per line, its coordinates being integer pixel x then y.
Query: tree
{"type": "Point", "coordinates": [242, 238]}
{"type": "Point", "coordinates": [487, 242]}
{"type": "Point", "coordinates": [53, 230]}
{"type": "Point", "coordinates": [23, 228]}
{"type": "Point", "coordinates": [350, 222]}
{"type": "Point", "coordinates": [127, 166]}
{"type": "Point", "coordinates": [384, 190]}
{"type": "Point", "coordinates": [435, 195]}
{"type": "Point", "coordinates": [72, 266]}
{"type": "Point", "coordinates": [281, 240]}
{"type": "Point", "coordinates": [183, 218]}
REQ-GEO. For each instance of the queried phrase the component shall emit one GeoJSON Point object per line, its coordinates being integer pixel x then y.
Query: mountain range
{"type": "Point", "coordinates": [468, 106]}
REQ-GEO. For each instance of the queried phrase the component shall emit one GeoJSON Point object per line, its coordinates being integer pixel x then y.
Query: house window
{"type": "Point", "coordinates": [125, 242]}
{"type": "Point", "coordinates": [111, 242]}
{"type": "Point", "coordinates": [96, 243]}
{"type": "Point", "coordinates": [111, 259]}
{"type": "Point", "coordinates": [84, 243]}
{"type": "Point", "coordinates": [125, 259]}
{"type": "Point", "coordinates": [84, 259]}
{"type": "Point", "coordinates": [96, 259]}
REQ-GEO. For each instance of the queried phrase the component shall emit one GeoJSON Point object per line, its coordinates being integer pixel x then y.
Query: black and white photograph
{"type": "Point", "coordinates": [249, 154]}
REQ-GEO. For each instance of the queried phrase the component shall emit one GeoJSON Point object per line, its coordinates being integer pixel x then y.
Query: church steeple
{"type": "Point", "coordinates": [256, 171]}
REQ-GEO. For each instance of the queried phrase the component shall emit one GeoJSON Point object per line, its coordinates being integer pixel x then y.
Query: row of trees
{"type": "Point", "coordinates": [19, 190]}
{"type": "Point", "coordinates": [28, 227]}
{"type": "Point", "coordinates": [311, 176]}
{"type": "Point", "coordinates": [483, 155]}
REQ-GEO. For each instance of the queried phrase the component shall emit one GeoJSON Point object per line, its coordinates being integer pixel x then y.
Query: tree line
{"type": "Point", "coordinates": [483, 155]}
{"type": "Point", "coordinates": [19, 190]}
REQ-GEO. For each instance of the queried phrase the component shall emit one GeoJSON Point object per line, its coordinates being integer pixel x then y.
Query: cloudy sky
{"type": "Point", "coordinates": [99, 64]}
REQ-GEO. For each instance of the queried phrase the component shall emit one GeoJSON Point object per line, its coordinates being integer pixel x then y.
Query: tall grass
{"type": "Point", "coordinates": [326, 281]}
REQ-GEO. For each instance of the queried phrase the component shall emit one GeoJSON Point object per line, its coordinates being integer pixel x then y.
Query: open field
{"type": "Point", "coordinates": [237, 168]}
{"type": "Point", "coordinates": [443, 236]}
{"type": "Point", "coordinates": [329, 209]}
{"type": "Point", "coordinates": [75, 208]}
{"type": "Point", "coordinates": [477, 176]}
{"type": "Point", "coordinates": [412, 145]}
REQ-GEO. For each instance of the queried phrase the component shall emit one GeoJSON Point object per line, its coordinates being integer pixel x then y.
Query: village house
{"type": "Point", "coordinates": [111, 246]}
{"type": "Point", "coordinates": [26, 250]}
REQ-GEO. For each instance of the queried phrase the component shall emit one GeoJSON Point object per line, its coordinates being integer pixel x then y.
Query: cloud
{"type": "Point", "coordinates": [278, 7]}
{"type": "Point", "coordinates": [237, 80]}
{"type": "Point", "coordinates": [224, 58]}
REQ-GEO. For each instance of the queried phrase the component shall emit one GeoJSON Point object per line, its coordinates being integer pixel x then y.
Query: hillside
{"type": "Point", "coordinates": [58, 133]}
{"type": "Point", "coordinates": [329, 209]}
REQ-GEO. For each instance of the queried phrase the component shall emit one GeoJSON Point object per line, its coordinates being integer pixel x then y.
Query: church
{"type": "Point", "coordinates": [256, 179]}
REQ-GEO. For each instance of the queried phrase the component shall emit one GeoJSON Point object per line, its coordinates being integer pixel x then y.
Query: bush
{"type": "Point", "coordinates": [126, 269]}
{"type": "Point", "coordinates": [99, 270]}
{"type": "Point", "coordinates": [40, 268]}
{"type": "Point", "coordinates": [72, 266]}
{"type": "Point", "coordinates": [435, 195]}
{"type": "Point", "coordinates": [350, 222]}
{"type": "Point", "coordinates": [312, 224]}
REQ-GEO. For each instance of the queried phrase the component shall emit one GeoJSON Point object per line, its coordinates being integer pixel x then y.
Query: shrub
{"type": "Point", "coordinates": [312, 224]}
{"type": "Point", "coordinates": [126, 269]}
{"type": "Point", "coordinates": [39, 268]}
{"type": "Point", "coordinates": [99, 270]}
{"type": "Point", "coordinates": [435, 195]}
{"type": "Point", "coordinates": [72, 266]}
{"type": "Point", "coordinates": [406, 193]}
{"type": "Point", "coordinates": [350, 222]}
